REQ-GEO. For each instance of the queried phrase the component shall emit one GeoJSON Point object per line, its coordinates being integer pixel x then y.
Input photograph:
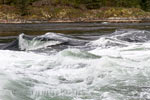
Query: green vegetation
{"type": "Point", "coordinates": [89, 4]}
{"type": "Point", "coordinates": [78, 10]}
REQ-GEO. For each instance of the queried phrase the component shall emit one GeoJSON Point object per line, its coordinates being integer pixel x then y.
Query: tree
{"type": "Point", "coordinates": [90, 4]}
{"type": "Point", "coordinates": [145, 5]}
{"type": "Point", "coordinates": [5, 1]}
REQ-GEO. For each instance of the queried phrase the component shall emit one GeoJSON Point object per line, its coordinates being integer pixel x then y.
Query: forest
{"type": "Point", "coordinates": [89, 4]}
{"type": "Point", "coordinates": [77, 10]}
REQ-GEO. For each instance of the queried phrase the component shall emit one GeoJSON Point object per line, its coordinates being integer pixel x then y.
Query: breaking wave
{"type": "Point", "coordinates": [116, 67]}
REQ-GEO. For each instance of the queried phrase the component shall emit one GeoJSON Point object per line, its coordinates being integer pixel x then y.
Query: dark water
{"type": "Point", "coordinates": [75, 61]}
{"type": "Point", "coordinates": [76, 28]}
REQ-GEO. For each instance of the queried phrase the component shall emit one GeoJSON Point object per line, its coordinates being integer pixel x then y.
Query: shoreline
{"type": "Point", "coordinates": [67, 14]}
{"type": "Point", "coordinates": [106, 20]}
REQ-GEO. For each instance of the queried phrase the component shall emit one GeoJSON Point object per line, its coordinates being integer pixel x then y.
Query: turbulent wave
{"type": "Point", "coordinates": [49, 40]}
{"type": "Point", "coordinates": [79, 54]}
{"type": "Point", "coordinates": [116, 67]}
{"type": "Point", "coordinates": [122, 38]}
{"type": "Point", "coordinates": [28, 43]}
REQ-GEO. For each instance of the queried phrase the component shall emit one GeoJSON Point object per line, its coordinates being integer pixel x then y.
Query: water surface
{"type": "Point", "coordinates": [75, 61]}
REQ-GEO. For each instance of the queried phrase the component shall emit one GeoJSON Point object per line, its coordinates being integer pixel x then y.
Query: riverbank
{"type": "Point", "coordinates": [50, 14]}
{"type": "Point", "coordinates": [104, 21]}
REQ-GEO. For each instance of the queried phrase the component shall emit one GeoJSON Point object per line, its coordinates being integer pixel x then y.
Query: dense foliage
{"type": "Point", "coordinates": [84, 4]}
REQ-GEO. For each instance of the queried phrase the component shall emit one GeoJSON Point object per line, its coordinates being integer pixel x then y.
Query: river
{"type": "Point", "coordinates": [75, 61]}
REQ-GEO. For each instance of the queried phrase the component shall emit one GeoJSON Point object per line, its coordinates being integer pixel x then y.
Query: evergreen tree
{"type": "Point", "coordinates": [89, 4]}
{"type": "Point", "coordinates": [145, 5]}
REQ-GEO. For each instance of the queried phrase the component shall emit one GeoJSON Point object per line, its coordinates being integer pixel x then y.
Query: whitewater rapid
{"type": "Point", "coordinates": [114, 67]}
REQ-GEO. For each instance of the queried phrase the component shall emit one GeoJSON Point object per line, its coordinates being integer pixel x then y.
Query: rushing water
{"type": "Point", "coordinates": [94, 65]}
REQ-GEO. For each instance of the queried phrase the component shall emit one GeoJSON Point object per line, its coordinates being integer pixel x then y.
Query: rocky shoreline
{"type": "Point", "coordinates": [106, 20]}
{"type": "Point", "coordinates": [65, 14]}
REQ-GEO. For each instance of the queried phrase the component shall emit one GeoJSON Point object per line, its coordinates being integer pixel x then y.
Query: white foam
{"type": "Point", "coordinates": [35, 44]}
{"type": "Point", "coordinates": [119, 73]}
{"type": "Point", "coordinates": [65, 73]}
